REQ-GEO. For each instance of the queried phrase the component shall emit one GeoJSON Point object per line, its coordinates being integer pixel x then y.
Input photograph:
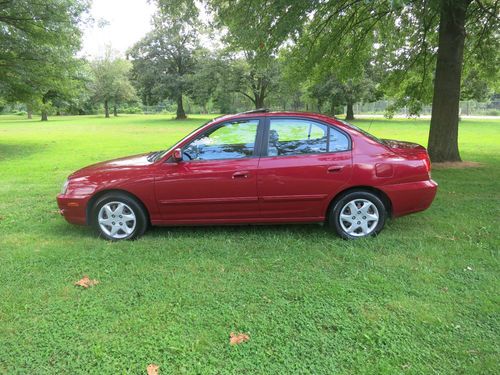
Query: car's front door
{"type": "Point", "coordinates": [307, 162]}
{"type": "Point", "coordinates": [216, 181]}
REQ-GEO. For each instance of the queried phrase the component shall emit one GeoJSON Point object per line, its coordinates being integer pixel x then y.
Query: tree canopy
{"type": "Point", "coordinates": [321, 55]}
{"type": "Point", "coordinates": [164, 59]}
{"type": "Point", "coordinates": [423, 46]}
{"type": "Point", "coordinates": [39, 42]}
{"type": "Point", "coordinates": [111, 84]}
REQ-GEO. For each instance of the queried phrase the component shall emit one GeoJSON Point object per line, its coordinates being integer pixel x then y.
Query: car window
{"type": "Point", "coordinates": [296, 137]}
{"type": "Point", "coordinates": [232, 140]}
{"type": "Point", "coordinates": [338, 141]}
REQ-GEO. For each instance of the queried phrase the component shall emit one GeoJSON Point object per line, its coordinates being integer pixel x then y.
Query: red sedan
{"type": "Point", "coordinates": [256, 167]}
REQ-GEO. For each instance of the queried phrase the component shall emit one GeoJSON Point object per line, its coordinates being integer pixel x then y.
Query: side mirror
{"type": "Point", "coordinates": [177, 155]}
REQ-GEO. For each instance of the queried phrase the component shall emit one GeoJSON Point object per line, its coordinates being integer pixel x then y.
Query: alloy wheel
{"type": "Point", "coordinates": [359, 217]}
{"type": "Point", "coordinates": [117, 220]}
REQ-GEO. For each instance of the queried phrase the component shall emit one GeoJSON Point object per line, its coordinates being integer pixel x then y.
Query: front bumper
{"type": "Point", "coordinates": [410, 197]}
{"type": "Point", "coordinates": [73, 209]}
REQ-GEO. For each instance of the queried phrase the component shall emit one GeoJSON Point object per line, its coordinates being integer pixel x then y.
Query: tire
{"type": "Point", "coordinates": [357, 214]}
{"type": "Point", "coordinates": [130, 222]}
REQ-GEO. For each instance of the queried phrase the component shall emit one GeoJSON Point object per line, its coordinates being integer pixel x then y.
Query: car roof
{"type": "Point", "coordinates": [266, 113]}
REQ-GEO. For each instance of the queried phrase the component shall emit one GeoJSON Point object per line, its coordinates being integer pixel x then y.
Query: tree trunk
{"type": "Point", "coordinates": [259, 102]}
{"type": "Point", "coordinates": [44, 110]}
{"type": "Point", "coordinates": [115, 111]}
{"type": "Point", "coordinates": [443, 135]}
{"type": "Point", "coordinates": [106, 109]}
{"type": "Point", "coordinates": [350, 112]}
{"type": "Point", "coordinates": [29, 110]}
{"type": "Point", "coordinates": [181, 115]}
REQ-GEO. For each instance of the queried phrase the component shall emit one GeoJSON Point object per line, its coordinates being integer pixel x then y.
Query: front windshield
{"type": "Point", "coordinates": [364, 132]}
{"type": "Point", "coordinates": [157, 155]}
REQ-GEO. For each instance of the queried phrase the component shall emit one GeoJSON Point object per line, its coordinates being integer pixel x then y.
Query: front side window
{"type": "Point", "coordinates": [232, 140]}
{"type": "Point", "coordinates": [296, 137]}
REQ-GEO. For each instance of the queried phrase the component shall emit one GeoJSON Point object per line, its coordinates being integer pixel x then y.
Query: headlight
{"type": "Point", "coordinates": [64, 187]}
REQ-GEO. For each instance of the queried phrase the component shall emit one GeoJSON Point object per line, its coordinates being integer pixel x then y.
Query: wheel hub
{"type": "Point", "coordinates": [359, 217]}
{"type": "Point", "coordinates": [117, 229]}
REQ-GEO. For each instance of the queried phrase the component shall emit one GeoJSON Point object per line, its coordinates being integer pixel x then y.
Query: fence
{"type": "Point", "coordinates": [468, 107]}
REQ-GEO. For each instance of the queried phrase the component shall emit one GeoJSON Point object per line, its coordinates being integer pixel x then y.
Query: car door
{"type": "Point", "coordinates": [217, 179]}
{"type": "Point", "coordinates": [304, 164]}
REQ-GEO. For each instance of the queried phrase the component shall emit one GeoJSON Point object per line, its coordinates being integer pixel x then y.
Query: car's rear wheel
{"type": "Point", "coordinates": [117, 216]}
{"type": "Point", "coordinates": [357, 214]}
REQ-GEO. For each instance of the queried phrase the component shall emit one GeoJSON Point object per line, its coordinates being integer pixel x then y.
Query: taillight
{"type": "Point", "coordinates": [427, 163]}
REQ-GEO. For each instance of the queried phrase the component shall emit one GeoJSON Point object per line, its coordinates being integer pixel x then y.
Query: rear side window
{"type": "Point", "coordinates": [338, 141]}
{"type": "Point", "coordinates": [298, 137]}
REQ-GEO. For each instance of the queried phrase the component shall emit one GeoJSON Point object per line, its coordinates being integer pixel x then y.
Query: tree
{"type": "Point", "coordinates": [336, 93]}
{"type": "Point", "coordinates": [164, 60]}
{"type": "Point", "coordinates": [418, 40]}
{"type": "Point", "coordinates": [111, 84]}
{"type": "Point", "coordinates": [254, 78]}
{"type": "Point", "coordinates": [208, 72]}
{"type": "Point", "coordinates": [39, 41]}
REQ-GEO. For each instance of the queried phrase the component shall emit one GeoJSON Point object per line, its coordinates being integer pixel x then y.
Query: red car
{"type": "Point", "coordinates": [256, 167]}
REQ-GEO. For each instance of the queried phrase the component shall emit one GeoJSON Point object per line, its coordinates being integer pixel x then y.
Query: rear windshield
{"type": "Point", "coordinates": [371, 136]}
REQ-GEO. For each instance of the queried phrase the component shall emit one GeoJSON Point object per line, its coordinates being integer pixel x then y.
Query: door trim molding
{"type": "Point", "coordinates": [208, 200]}
{"type": "Point", "coordinates": [291, 198]}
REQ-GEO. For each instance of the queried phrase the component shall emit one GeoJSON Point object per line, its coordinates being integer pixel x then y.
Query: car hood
{"type": "Point", "coordinates": [128, 162]}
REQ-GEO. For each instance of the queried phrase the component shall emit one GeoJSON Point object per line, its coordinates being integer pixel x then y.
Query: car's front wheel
{"type": "Point", "coordinates": [357, 214]}
{"type": "Point", "coordinates": [117, 216]}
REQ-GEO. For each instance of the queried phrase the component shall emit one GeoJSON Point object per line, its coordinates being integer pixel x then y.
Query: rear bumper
{"type": "Point", "coordinates": [73, 209]}
{"type": "Point", "coordinates": [410, 197]}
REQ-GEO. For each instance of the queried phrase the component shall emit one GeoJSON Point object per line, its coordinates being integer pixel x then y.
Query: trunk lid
{"type": "Point", "coordinates": [409, 150]}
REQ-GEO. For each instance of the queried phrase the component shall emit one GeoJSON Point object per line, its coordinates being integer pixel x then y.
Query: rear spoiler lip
{"type": "Point", "coordinates": [395, 144]}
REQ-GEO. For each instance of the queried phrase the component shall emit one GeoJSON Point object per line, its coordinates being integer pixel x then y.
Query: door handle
{"type": "Point", "coordinates": [240, 174]}
{"type": "Point", "coordinates": [335, 168]}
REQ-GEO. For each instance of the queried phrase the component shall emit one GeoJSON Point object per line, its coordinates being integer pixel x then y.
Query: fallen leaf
{"type": "Point", "coordinates": [445, 289]}
{"type": "Point", "coordinates": [85, 282]}
{"type": "Point", "coordinates": [238, 338]}
{"type": "Point", "coordinates": [153, 369]}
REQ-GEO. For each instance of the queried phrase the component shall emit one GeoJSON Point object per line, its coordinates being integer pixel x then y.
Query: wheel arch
{"type": "Point", "coordinates": [99, 194]}
{"type": "Point", "coordinates": [379, 193]}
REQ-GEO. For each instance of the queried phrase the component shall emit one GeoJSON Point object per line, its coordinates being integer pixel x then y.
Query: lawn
{"type": "Point", "coordinates": [423, 297]}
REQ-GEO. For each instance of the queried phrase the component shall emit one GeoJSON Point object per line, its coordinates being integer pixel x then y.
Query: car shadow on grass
{"type": "Point", "coordinates": [203, 231]}
{"type": "Point", "coordinates": [315, 232]}
{"type": "Point", "coordinates": [239, 230]}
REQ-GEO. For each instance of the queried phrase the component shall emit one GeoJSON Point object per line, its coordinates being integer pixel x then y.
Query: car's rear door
{"type": "Point", "coordinates": [217, 180]}
{"type": "Point", "coordinates": [304, 164]}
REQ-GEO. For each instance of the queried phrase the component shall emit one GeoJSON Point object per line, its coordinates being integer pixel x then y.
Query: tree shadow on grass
{"type": "Point", "coordinates": [10, 151]}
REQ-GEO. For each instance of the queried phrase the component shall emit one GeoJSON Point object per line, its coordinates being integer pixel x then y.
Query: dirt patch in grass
{"type": "Point", "coordinates": [456, 165]}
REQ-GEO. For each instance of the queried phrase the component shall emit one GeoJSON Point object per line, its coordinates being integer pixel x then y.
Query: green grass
{"type": "Point", "coordinates": [420, 298]}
